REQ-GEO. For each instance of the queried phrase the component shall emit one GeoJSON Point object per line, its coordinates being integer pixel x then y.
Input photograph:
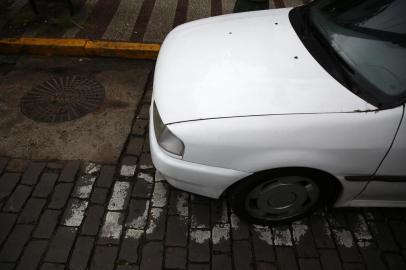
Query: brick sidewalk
{"type": "Point", "coordinates": [126, 20]}
{"type": "Point", "coordinates": [73, 215]}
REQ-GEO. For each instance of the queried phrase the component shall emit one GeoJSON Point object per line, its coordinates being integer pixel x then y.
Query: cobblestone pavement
{"type": "Point", "coordinates": [129, 20]}
{"type": "Point", "coordinates": [77, 215]}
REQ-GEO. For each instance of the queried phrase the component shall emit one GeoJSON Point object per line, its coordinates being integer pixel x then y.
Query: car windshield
{"type": "Point", "coordinates": [369, 37]}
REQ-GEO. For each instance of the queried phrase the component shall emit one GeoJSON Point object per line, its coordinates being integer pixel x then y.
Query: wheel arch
{"type": "Point", "coordinates": [332, 184]}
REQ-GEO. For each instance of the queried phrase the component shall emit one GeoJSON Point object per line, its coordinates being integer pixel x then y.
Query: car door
{"type": "Point", "coordinates": [388, 186]}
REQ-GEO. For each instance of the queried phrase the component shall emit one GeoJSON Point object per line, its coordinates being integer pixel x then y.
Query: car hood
{"type": "Point", "coordinates": [240, 65]}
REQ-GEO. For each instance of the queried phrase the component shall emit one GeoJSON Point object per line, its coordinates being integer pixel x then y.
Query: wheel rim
{"type": "Point", "coordinates": [282, 198]}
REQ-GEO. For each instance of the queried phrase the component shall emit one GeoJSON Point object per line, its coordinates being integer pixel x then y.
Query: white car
{"type": "Point", "coordinates": [286, 108]}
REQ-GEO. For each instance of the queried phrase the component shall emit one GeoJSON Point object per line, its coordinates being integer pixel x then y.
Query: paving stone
{"type": "Point", "coordinates": [52, 266]}
{"type": "Point", "coordinates": [61, 245]}
{"type": "Point", "coordinates": [221, 237]}
{"type": "Point", "coordinates": [392, 213]}
{"type": "Point", "coordinates": [346, 246]}
{"type": "Point", "coordinates": [200, 216]}
{"type": "Point", "coordinates": [99, 195]}
{"type": "Point", "coordinates": [60, 195]}
{"type": "Point", "coordinates": [32, 211]}
{"type": "Point", "coordinates": [373, 214]}
{"type": "Point", "coordinates": [3, 164]}
{"type": "Point", "coordinates": [142, 188]}
{"type": "Point", "coordinates": [263, 245]}
{"type": "Point", "coordinates": [178, 202]}
{"type": "Point", "coordinates": [120, 196]}
{"type": "Point", "coordinates": [135, 146]}
{"type": "Point", "coordinates": [7, 183]}
{"type": "Point", "coordinates": [199, 245]}
{"type": "Point", "coordinates": [130, 161]}
{"type": "Point", "coordinates": [221, 262]}
{"type": "Point", "coordinates": [219, 211]}
{"type": "Point", "coordinates": [160, 195]}
{"type": "Point", "coordinates": [156, 224]}
{"type": "Point", "coordinates": [84, 186]}
{"type": "Point", "coordinates": [32, 173]}
{"type": "Point", "coordinates": [127, 267]}
{"type": "Point", "coordinates": [45, 185]}
{"type": "Point", "coordinates": [395, 261]}
{"type": "Point", "coordinates": [359, 226]}
{"type": "Point", "coordinates": [93, 220]}
{"type": "Point", "coordinates": [55, 165]}
{"type": "Point", "coordinates": [239, 228]}
{"type": "Point", "coordinates": [399, 231]}
{"type": "Point", "coordinates": [139, 128]}
{"type": "Point", "coordinates": [6, 266]}
{"type": "Point", "coordinates": [137, 214]}
{"type": "Point", "coordinates": [265, 266]}
{"type": "Point", "coordinates": [354, 266]}
{"type": "Point", "coordinates": [104, 257]}
{"type": "Point", "coordinates": [129, 246]}
{"type": "Point", "coordinates": [17, 199]}
{"type": "Point", "coordinates": [15, 243]}
{"type": "Point", "coordinates": [32, 255]}
{"type": "Point", "coordinates": [146, 161]}
{"type": "Point", "coordinates": [383, 236]}
{"type": "Point", "coordinates": [152, 254]}
{"type": "Point", "coordinates": [242, 255]}
{"type": "Point", "coordinates": [81, 253]}
{"type": "Point", "coordinates": [176, 231]}
{"type": "Point", "coordinates": [74, 213]}
{"type": "Point", "coordinates": [330, 260]}
{"type": "Point", "coordinates": [286, 258]}
{"type": "Point", "coordinates": [175, 257]}
{"type": "Point", "coordinates": [321, 232]}
{"type": "Point", "coordinates": [6, 225]}
{"type": "Point", "coordinates": [111, 230]}
{"type": "Point", "coordinates": [47, 224]}
{"type": "Point", "coordinates": [68, 173]}
{"type": "Point", "coordinates": [372, 258]}
{"type": "Point", "coordinates": [282, 236]}
{"type": "Point", "coordinates": [337, 219]}
{"type": "Point", "coordinates": [309, 264]}
{"type": "Point", "coordinates": [197, 199]}
{"type": "Point", "coordinates": [304, 241]}
{"type": "Point", "coordinates": [106, 176]}
{"type": "Point", "coordinates": [17, 165]}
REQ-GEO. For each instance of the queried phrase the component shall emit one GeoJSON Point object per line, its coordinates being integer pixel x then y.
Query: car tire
{"type": "Point", "coordinates": [279, 196]}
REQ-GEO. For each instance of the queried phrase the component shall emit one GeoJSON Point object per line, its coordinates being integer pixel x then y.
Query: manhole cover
{"type": "Point", "coordinates": [62, 99]}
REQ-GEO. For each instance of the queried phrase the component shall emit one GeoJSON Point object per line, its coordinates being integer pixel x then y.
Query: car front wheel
{"type": "Point", "coordinates": [270, 198]}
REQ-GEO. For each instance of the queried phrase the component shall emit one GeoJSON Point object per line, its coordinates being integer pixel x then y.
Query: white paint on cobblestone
{"type": "Point", "coordinates": [361, 230]}
{"type": "Point", "coordinates": [298, 231]}
{"type": "Point", "coordinates": [146, 177]}
{"type": "Point", "coordinates": [199, 236]}
{"type": "Point", "coordinates": [159, 197]}
{"type": "Point", "coordinates": [128, 170]}
{"type": "Point", "coordinates": [364, 244]}
{"type": "Point", "coordinates": [235, 221]}
{"type": "Point", "coordinates": [85, 186]}
{"type": "Point", "coordinates": [264, 233]}
{"type": "Point", "coordinates": [133, 234]}
{"type": "Point", "coordinates": [111, 227]}
{"type": "Point", "coordinates": [182, 207]}
{"type": "Point", "coordinates": [154, 219]}
{"type": "Point", "coordinates": [220, 233]}
{"type": "Point", "coordinates": [139, 222]}
{"type": "Point", "coordinates": [120, 193]}
{"type": "Point", "coordinates": [146, 166]}
{"type": "Point", "coordinates": [282, 237]}
{"type": "Point", "coordinates": [76, 213]}
{"type": "Point", "coordinates": [92, 168]}
{"type": "Point", "coordinates": [159, 177]}
{"type": "Point", "coordinates": [344, 238]}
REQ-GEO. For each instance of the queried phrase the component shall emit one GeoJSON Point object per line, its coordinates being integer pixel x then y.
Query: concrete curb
{"type": "Point", "coordinates": [79, 47]}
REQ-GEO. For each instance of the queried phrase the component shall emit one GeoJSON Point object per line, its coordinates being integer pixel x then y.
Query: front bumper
{"type": "Point", "coordinates": [192, 177]}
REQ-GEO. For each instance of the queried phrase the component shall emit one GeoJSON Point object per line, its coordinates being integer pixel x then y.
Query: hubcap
{"type": "Point", "coordinates": [282, 198]}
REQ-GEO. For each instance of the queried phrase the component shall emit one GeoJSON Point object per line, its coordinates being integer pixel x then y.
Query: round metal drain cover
{"type": "Point", "coordinates": [62, 99]}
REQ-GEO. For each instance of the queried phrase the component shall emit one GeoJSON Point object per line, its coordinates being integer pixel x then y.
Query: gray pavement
{"type": "Point", "coordinates": [81, 214]}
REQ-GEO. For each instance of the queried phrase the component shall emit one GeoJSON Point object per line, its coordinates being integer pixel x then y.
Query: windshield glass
{"type": "Point", "coordinates": [369, 36]}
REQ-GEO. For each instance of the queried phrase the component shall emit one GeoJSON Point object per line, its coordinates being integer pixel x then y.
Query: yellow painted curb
{"type": "Point", "coordinates": [79, 47]}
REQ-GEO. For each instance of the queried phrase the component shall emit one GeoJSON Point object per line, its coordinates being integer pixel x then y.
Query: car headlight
{"type": "Point", "coordinates": [165, 138]}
